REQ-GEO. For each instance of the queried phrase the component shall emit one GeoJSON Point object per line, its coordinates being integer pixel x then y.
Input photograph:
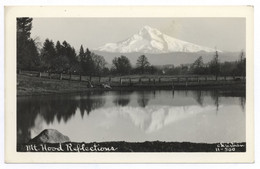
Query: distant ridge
{"type": "Point", "coordinates": [175, 58]}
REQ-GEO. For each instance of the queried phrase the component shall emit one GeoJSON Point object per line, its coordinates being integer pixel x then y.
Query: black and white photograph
{"type": "Point", "coordinates": [131, 85]}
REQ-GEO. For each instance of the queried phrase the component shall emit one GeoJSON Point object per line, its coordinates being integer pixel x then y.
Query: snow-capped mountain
{"type": "Point", "coordinates": [151, 40]}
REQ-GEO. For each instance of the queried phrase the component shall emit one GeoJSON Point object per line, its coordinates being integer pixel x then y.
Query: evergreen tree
{"type": "Point", "coordinates": [89, 64]}
{"type": "Point", "coordinates": [82, 58]}
{"type": "Point", "coordinates": [24, 26]}
{"type": "Point", "coordinates": [69, 54]}
{"type": "Point", "coordinates": [241, 65]}
{"type": "Point", "coordinates": [58, 49]}
{"type": "Point", "coordinates": [61, 61]}
{"type": "Point", "coordinates": [214, 65]}
{"type": "Point", "coordinates": [27, 52]}
{"type": "Point", "coordinates": [81, 53]}
{"type": "Point", "coordinates": [74, 62]}
{"type": "Point", "coordinates": [48, 55]}
{"type": "Point", "coordinates": [87, 52]}
{"type": "Point", "coordinates": [86, 62]}
{"type": "Point", "coordinates": [198, 66]}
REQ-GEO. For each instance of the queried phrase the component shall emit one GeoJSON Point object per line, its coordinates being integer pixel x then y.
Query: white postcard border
{"type": "Point", "coordinates": [11, 156]}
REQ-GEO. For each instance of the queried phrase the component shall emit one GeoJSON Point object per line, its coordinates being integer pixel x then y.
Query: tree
{"type": "Point", "coordinates": [121, 65]}
{"type": "Point", "coordinates": [241, 65]}
{"type": "Point", "coordinates": [142, 63]}
{"type": "Point", "coordinates": [82, 54]}
{"type": "Point", "coordinates": [48, 55]}
{"type": "Point", "coordinates": [61, 61]}
{"type": "Point", "coordinates": [69, 54]}
{"type": "Point", "coordinates": [152, 70]}
{"type": "Point", "coordinates": [99, 63]}
{"type": "Point", "coordinates": [58, 48]}
{"type": "Point", "coordinates": [87, 53]}
{"type": "Point", "coordinates": [33, 56]}
{"type": "Point", "coordinates": [87, 63]}
{"type": "Point", "coordinates": [82, 57]}
{"type": "Point", "coordinates": [106, 71]}
{"type": "Point", "coordinates": [228, 68]}
{"type": "Point", "coordinates": [198, 66]}
{"type": "Point", "coordinates": [214, 65]}
{"type": "Point", "coordinates": [74, 66]}
{"type": "Point", "coordinates": [24, 26]}
{"type": "Point", "coordinates": [27, 52]}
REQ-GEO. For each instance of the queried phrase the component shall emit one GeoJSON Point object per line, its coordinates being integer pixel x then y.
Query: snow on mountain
{"type": "Point", "coordinates": [151, 40]}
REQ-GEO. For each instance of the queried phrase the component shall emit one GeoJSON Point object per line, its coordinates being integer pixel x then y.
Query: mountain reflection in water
{"type": "Point", "coordinates": [198, 116]}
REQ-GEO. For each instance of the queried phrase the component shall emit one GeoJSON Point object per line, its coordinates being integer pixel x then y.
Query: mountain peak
{"type": "Point", "coordinates": [149, 29]}
{"type": "Point", "coordinates": [150, 32]}
{"type": "Point", "coordinates": [151, 40]}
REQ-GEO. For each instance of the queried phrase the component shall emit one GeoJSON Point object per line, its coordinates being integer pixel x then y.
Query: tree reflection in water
{"type": "Point", "coordinates": [199, 97]}
{"type": "Point", "coordinates": [87, 102]}
{"type": "Point", "coordinates": [143, 98]}
{"type": "Point", "coordinates": [242, 103]}
{"type": "Point", "coordinates": [122, 98]}
{"type": "Point", "coordinates": [216, 95]}
{"type": "Point", "coordinates": [61, 107]}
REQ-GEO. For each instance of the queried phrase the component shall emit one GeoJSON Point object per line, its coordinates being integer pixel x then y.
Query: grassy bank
{"type": "Point", "coordinates": [27, 85]}
{"type": "Point", "coordinates": [154, 146]}
{"type": "Point", "coordinates": [31, 85]}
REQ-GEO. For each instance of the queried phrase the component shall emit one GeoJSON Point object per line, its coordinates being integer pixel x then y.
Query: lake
{"type": "Point", "coordinates": [136, 116]}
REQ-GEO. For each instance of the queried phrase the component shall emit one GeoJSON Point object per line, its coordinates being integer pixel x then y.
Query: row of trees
{"type": "Point", "coordinates": [62, 57]}
{"type": "Point", "coordinates": [214, 67]}
{"type": "Point", "coordinates": [59, 57]}
{"type": "Point", "coordinates": [122, 66]}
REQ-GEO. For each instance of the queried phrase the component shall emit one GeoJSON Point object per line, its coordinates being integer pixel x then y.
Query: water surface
{"type": "Point", "coordinates": [136, 116]}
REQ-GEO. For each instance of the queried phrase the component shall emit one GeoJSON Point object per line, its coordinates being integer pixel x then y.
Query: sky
{"type": "Point", "coordinates": [226, 34]}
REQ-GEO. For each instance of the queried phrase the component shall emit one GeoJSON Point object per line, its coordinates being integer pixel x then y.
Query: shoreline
{"type": "Point", "coordinates": [33, 86]}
